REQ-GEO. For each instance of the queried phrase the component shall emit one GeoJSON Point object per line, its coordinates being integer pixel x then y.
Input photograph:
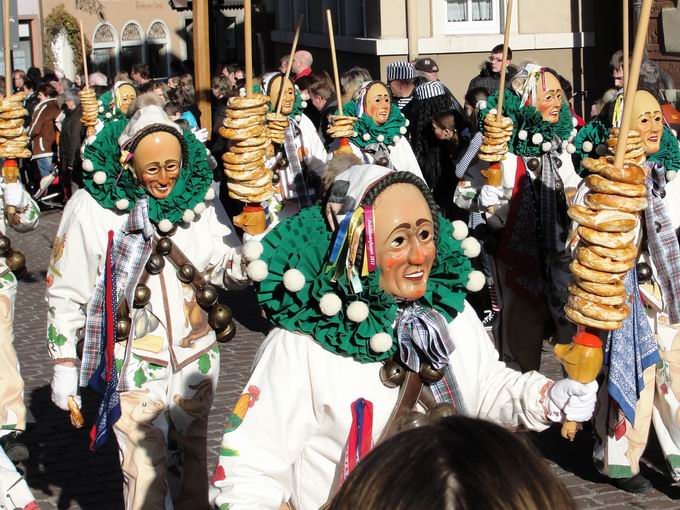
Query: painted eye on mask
{"type": "Point", "coordinates": [425, 235]}
{"type": "Point", "coordinates": [398, 242]}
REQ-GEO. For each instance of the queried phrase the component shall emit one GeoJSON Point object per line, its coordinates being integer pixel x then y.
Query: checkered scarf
{"type": "Point", "coordinates": [548, 198]}
{"type": "Point", "coordinates": [301, 192]}
{"type": "Point", "coordinates": [662, 243]}
{"type": "Point", "coordinates": [131, 250]}
{"type": "Point", "coordinates": [447, 390]}
{"type": "Point", "coordinates": [423, 338]}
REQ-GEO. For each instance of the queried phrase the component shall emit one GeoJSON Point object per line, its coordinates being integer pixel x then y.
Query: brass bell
{"type": "Point", "coordinates": [220, 317]}
{"type": "Point", "coordinates": [226, 334]}
{"type": "Point", "coordinates": [392, 374]}
{"type": "Point", "coordinates": [644, 272]}
{"type": "Point", "coordinates": [276, 178]}
{"type": "Point", "coordinates": [383, 161]}
{"type": "Point", "coordinates": [5, 245]}
{"type": "Point", "coordinates": [533, 164]}
{"type": "Point", "coordinates": [186, 273]}
{"type": "Point", "coordinates": [283, 163]}
{"type": "Point", "coordinates": [123, 327]}
{"type": "Point", "coordinates": [16, 262]}
{"type": "Point", "coordinates": [429, 375]}
{"type": "Point", "coordinates": [142, 296]}
{"type": "Point", "coordinates": [442, 410]}
{"type": "Point", "coordinates": [155, 264]}
{"type": "Point", "coordinates": [207, 296]}
{"type": "Point", "coordinates": [413, 420]}
{"type": "Point", "coordinates": [123, 308]}
{"type": "Point", "coordinates": [164, 246]}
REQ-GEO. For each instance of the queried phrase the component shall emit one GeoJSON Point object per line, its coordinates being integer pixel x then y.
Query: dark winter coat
{"type": "Point", "coordinates": [487, 79]}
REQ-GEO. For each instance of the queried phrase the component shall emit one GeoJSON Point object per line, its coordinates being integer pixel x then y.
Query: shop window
{"type": "Point", "coordinates": [158, 49]}
{"type": "Point", "coordinates": [131, 46]}
{"type": "Point", "coordinates": [472, 16]}
{"type": "Point", "coordinates": [104, 50]}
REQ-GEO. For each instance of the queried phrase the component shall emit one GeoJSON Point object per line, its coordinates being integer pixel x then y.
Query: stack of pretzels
{"type": "Point", "coordinates": [606, 248]}
{"type": "Point", "coordinates": [248, 180]}
{"type": "Point", "coordinates": [497, 134]}
{"type": "Point", "coordinates": [635, 152]}
{"type": "Point", "coordinates": [276, 127]}
{"type": "Point", "coordinates": [341, 126]}
{"type": "Point", "coordinates": [90, 105]}
{"type": "Point", "coordinates": [13, 138]}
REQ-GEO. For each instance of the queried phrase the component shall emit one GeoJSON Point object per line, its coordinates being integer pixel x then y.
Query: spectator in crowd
{"type": "Point", "coordinates": [283, 63]}
{"type": "Point", "coordinates": [350, 82]}
{"type": "Point", "coordinates": [42, 131]}
{"type": "Point", "coordinates": [141, 76]}
{"type": "Point", "coordinates": [35, 75]}
{"type": "Point", "coordinates": [302, 64]}
{"type": "Point", "coordinates": [323, 99]}
{"type": "Point", "coordinates": [489, 77]}
{"type": "Point", "coordinates": [121, 76]}
{"type": "Point", "coordinates": [59, 84]}
{"type": "Point", "coordinates": [31, 99]}
{"type": "Point", "coordinates": [70, 139]}
{"type": "Point", "coordinates": [304, 84]}
{"type": "Point", "coordinates": [427, 69]}
{"type": "Point", "coordinates": [222, 89]}
{"type": "Point", "coordinates": [18, 78]}
{"type": "Point", "coordinates": [453, 463]}
{"type": "Point", "coordinates": [401, 78]}
{"type": "Point", "coordinates": [598, 105]}
{"type": "Point", "coordinates": [472, 99]}
{"type": "Point", "coordinates": [177, 67]}
{"type": "Point", "coordinates": [569, 98]}
{"type": "Point", "coordinates": [162, 90]}
{"type": "Point", "coordinates": [185, 96]}
{"type": "Point", "coordinates": [99, 82]}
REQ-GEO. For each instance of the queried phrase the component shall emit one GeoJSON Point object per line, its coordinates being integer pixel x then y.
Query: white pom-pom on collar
{"type": "Point", "coordinates": [481, 104]}
{"type": "Point", "coordinates": [402, 130]}
{"type": "Point", "coordinates": [294, 280]}
{"type": "Point", "coordinates": [199, 208]}
{"type": "Point", "coordinates": [122, 204]}
{"type": "Point", "coordinates": [476, 281]}
{"type": "Point", "coordinates": [571, 148]}
{"type": "Point", "coordinates": [330, 304]}
{"type": "Point", "coordinates": [537, 138]}
{"type": "Point", "coordinates": [188, 216]}
{"type": "Point", "coordinates": [380, 138]}
{"type": "Point", "coordinates": [257, 270]}
{"type": "Point", "coordinates": [546, 146]}
{"type": "Point", "coordinates": [88, 166]}
{"type": "Point", "coordinates": [366, 137]}
{"type": "Point", "coordinates": [471, 247]}
{"type": "Point", "coordinates": [357, 311]}
{"type": "Point", "coordinates": [395, 138]}
{"type": "Point", "coordinates": [210, 194]}
{"type": "Point", "coordinates": [587, 146]}
{"type": "Point", "coordinates": [381, 342]}
{"type": "Point", "coordinates": [99, 177]}
{"type": "Point", "coordinates": [165, 225]}
{"type": "Point", "coordinates": [252, 250]}
{"type": "Point", "coordinates": [574, 121]}
{"type": "Point", "coordinates": [460, 230]}
{"type": "Point", "coordinates": [671, 174]}
{"type": "Point", "coordinates": [522, 134]}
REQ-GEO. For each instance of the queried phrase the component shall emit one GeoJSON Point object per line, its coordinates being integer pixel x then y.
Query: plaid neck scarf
{"type": "Point", "coordinates": [423, 338]}
{"type": "Point", "coordinates": [548, 198]}
{"type": "Point", "coordinates": [662, 242]}
{"type": "Point", "coordinates": [131, 249]}
{"type": "Point", "coordinates": [295, 167]}
{"type": "Point", "coordinates": [379, 151]}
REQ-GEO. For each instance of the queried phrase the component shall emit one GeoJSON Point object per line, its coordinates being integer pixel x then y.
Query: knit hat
{"type": "Point", "coordinates": [426, 65]}
{"type": "Point", "coordinates": [98, 79]}
{"type": "Point", "coordinates": [430, 89]}
{"type": "Point", "coordinates": [400, 71]}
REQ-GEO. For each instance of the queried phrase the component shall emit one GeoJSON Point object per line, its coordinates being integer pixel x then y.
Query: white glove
{"type": "Point", "coordinates": [200, 134]}
{"type": "Point", "coordinates": [490, 196]}
{"type": "Point", "coordinates": [572, 399]}
{"type": "Point", "coordinates": [13, 194]}
{"type": "Point", "coordinates": [64, 384]}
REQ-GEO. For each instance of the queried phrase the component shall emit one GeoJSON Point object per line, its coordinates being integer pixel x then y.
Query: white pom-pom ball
{"type": "Point", "coordinates": [675, 133]}
{"type": "Point", "coordinates": [381, 342]}
{"type": "Point", "coordinates": [380, 138]}
{"type": "Point", "coordinates": [188, 216]}
{"type": "Point", "coordinates": [90, 139]}
{"type": "Point", "coordinates": [574, 122]}
{"type": "Point", "coordinates": [493, 111]}
{"type": "Point", "coordinates": [354, 134]}
{"type": "Point", "coordinates": [402, 130]}
{"type": "Point", "coordinates": [207, 151]}
{"type": "Point", "coordinates": [101, 109]}
{"type": "Point", "coordinates": [395, 138]}
{"type": "Point", "coordinates": [357, 311]}
{"type": "Point", "coordinates": [471, 247]}
{"type": "Point", "coordinates": [408, 122]}
{"type": "Point", "coordinates": [88, 166]}
{"type": "Point", "coordinates": [210, 194]}
{"type": "Point", "coordinates": [293, 280]}
{"type": "Point", "coordinates": [587, 146]}
{"type": "Point", "coordinates": [257, 270]}
{"type": "Point", "coordinates": [99, 178]}
{"type": "Point", "coordinates": [108, 115]}
{"type": "Point", "coordinates": [99, 102]}
{"type": "Point", "coordinates": [460, 230]}
{"type": "Point", "coordinates": [298, 118]}
{"type": "Point", "coordinates": [571, 148]}
{"type": "Point", "coordinates": [481, 104]}
{"type": "Point", "coordinates": [165, 225]}
{"type": "Point", "coordinates": [366, 137]}
{"type": "Point", "coordinates": [537, 139]}
{"type": "Point", "coordinates": [122, 204]}
{"type": "Point", "coordinates": [601, 149]}
{"type": "Point", "coordinates": [330, 304]}
{"type": "Point", "coordinates": [199, 208]}
{"type": "Point", "coordinates": [252, 250]}
{"type": "Point", "coordinates": [546, 146]}
{"type": "Point", "coordinates": [242, 92]}
{"type": "Point", "coordinates": [573, 133]}
{"type": "Point", "coordinates": [522, 134]}
{"type": "Point", "coordinates": [303, 104]}
{"type": "Point", "coordinates": [564, 144]}
{"type": "Point", "coordinates": [670, 175]}
{"type": "Point", "coordinates": [476, 281]}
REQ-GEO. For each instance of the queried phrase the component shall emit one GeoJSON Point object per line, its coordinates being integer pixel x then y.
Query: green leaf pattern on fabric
{"type": "Point", "coordinates": [204, 363]}
{"type": "Point", "coordinates": [54, 336]}
{"type": "Point", "coordinates": [139, 377]}
{"type": "Point", "coordinates": [228, 452]}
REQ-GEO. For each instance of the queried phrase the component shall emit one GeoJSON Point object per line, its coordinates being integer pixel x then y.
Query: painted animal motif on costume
{"type": "Point", "coordinates": [194, 489]}
{"type": "Point", "coordinates": [244, 402]}
{"type": "Point", "coordinates": [144, 450]}
{"type": "Point", "coordinates": [194, 317]}
{"type": "Point", "coordinates": [56, 253]}
{"type": "Point", "coordinates": [11, 383]}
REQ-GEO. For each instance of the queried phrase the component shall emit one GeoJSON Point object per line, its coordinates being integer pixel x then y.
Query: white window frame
{"type": "Point", "coordinates": [141, 43]}
{"type": "Point", "coordinates": [166, 41]}
{"type": "Point", "coordinates": [115, 44]}
{"type": "Point", "coordinates": [492, 26]}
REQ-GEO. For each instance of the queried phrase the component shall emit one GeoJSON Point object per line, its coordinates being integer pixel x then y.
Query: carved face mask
{"type": "Point", "coordinates": [404, 237]}
{"type": "Point", "coordinates": [288, 97]}
{"type": "Point", "coordinates": [377, 103]}
{"type": "Point", "coordinates": [157, 162]}
{"type": "Point", "coordinates": [550, 97]}
{"type": "Point", "coordinates": [648, 120]}
{"type": "Point", "coordinates": [125, 95]}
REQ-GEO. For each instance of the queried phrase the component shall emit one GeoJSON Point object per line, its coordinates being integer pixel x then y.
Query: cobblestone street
{"type": "Point", "coordinates": [63, 473]}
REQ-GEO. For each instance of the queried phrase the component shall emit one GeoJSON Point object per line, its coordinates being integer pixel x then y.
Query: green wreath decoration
{"type": "Point", "coordinates": [56, 21]}
{"type": "Point", "coordinates": [528, 122]}
{"type": "Point", "coordinates": [368, 132]}
{"type": "Point", "coordinates": [116, 188]}
{"type": "Point", "coordinates": [304, 242]}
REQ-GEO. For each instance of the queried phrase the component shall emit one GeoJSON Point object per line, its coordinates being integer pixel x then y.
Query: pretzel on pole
{"type": "Point", "coordinates": [504, 64]}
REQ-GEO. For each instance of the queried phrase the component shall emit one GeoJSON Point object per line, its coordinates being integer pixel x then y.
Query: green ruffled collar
{"type": "Point", "coordinates": [107, 108]}
{"type": "Point", "coordinates": [117, 189]}
{"type": "Point", "coordinates": [528, 123]}
{"type": "Point", "coordinates": [669, 152]}
{"type": "Point", "coordinates": [368, 132]}
{"type": "Point", "coordinates": [303, 242]}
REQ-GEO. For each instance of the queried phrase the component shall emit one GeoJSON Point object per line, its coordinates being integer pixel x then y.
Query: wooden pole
{"type": "Point", "coordinates": [201, 36]}
{"type": "Point", "coordinates": [504, 65]}
{"type": "Point", "coordinates": [412, 29]}
{"type": "Point", "coordinates": [82, 47]}
{"type": "Point", "coordinates": [290, 65]}
{"type": "Point", "coordinates": [247, 34]}
{"type": "Point", "coordinates": [626, 49]}
{"type": "Point", "coordinates": [632, 82]}
{"type": "Point", "coordinates": [336, 75]}
{"type": "Point", "coordinates": [8, 51]}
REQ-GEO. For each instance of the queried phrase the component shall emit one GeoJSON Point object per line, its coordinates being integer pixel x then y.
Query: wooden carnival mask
{"type": "Point", "coordinates": [157, 161]}
{"type": "Point", "coordinates": [377, 103]}
{"type": "Point", "coordinates": [404, 237]}
{"type": "Point", "coordinates": [125, 95]}
{"type": "Point", "coordinates": [288, 97]}
{"type": "Point", "coordinates": [550, 97]}
{"type": "Point", "coordinates": [648, 121]}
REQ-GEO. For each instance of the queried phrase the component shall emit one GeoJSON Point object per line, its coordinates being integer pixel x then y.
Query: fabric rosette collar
{"type": "Point", "coordinates": [115, 187]}
{"type": "Point", "coordinates": [303, 285]}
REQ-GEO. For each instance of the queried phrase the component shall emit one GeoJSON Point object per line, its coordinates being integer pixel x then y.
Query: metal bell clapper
{"type": "Point", "coordinates": [155, 264]}
{"type": "Point", "coordinates": [392, 374]}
